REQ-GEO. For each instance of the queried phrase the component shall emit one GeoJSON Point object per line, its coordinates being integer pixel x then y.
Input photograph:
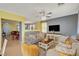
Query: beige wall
{"type": "Point", "coordinates": [12, 25]}
{"type": "Point", "coordinates": [11, 16]}
{"type": "Point", "coordinates": [44, 27]}
{"type": "Point", "coordinates": [38, 26]}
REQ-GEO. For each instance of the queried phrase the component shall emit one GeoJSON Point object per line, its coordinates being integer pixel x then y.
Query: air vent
{"type": "Point", "coordinates": [59, 4]}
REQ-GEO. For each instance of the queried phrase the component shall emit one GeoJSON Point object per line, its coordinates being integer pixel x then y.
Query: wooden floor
{"type": "Point", "coordinates": [13, 48]}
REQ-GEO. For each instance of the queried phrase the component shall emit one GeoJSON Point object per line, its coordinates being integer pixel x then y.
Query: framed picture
{"type": "Point", "coordinates": [27, 26]}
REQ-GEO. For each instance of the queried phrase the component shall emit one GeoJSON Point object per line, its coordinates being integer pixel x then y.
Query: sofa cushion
{"type": "Point", "coordinates": [52, 52]}
{"type": "Point", "coordinates": [68, 41]}
{"type": "Point", "coordinates": [62, 38]}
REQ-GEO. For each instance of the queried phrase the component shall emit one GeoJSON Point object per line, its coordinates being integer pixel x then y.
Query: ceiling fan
{"type": "Point", "coordinates": [46, 14]}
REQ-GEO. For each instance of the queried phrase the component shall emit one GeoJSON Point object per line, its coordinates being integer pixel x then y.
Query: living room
{"type": "Point", "coordinates": [64, 28]}
{"type": "Point", "coordinates": [49, 29]}
{"type": "Point", "coordinates": [54, 35]}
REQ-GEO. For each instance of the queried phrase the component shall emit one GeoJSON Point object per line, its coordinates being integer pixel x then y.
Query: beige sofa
{"type": "Point", "coordinates": [60, 48]}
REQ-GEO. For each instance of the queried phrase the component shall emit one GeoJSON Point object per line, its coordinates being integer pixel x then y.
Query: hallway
{"type": "Point", "coordinates": [13, 48]}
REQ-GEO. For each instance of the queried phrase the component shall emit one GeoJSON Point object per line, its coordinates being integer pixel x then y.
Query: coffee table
{"type": "Point", "coordinates": [46, 44]}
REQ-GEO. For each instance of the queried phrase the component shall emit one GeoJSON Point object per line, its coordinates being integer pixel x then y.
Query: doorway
{"type": "Point", "coordinates": [13, 31]}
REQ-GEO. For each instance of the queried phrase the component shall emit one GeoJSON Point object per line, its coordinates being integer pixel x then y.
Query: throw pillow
{"type": "Point", "coordinates": [68, 42]}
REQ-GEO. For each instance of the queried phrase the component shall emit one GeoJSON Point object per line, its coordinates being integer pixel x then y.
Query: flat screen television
{"type": "Point", "coordinates": [54, 28]}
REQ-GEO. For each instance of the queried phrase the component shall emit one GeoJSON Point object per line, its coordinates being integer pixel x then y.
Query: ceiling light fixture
{"type": "Point", "coordinates": [45, 14]}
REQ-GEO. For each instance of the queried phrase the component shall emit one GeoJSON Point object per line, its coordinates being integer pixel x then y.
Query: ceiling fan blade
{"type": "Point", "coordinates": [49, 13]}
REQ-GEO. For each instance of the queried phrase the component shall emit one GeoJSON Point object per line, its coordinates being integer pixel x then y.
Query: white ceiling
{"type": "Point", "coordinates": [31, 10]}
